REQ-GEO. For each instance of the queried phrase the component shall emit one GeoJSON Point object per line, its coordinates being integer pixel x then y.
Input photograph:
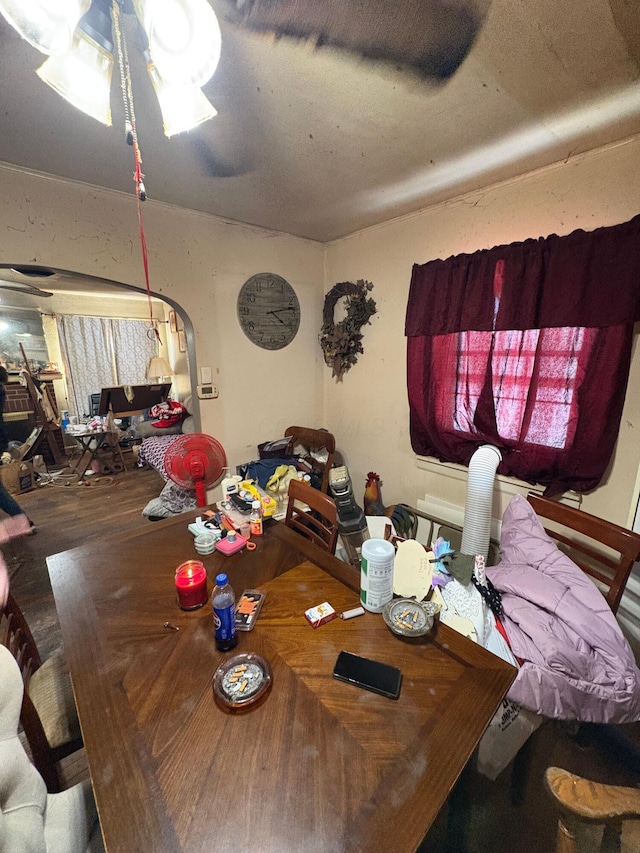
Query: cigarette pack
{"type": "Point", "coordinates": [248, 608]}
{"type": "Point", "coordinates": [317, 616]}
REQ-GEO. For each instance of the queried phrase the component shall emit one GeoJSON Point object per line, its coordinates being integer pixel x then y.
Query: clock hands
{"type": "Point", "coordinates": [279, 311]}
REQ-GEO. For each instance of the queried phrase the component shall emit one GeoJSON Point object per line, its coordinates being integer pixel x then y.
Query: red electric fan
{"type": "Point", "coordinates": [195, 461]}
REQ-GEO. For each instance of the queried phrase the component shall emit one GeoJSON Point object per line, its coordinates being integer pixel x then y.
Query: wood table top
{"type": "Point", "coordinates": [320, 765]}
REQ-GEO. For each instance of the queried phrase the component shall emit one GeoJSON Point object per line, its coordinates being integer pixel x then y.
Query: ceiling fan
{"type": "Point", "coordinates": [429, 38]}
{"type": "Point", "coordinates": [24, 286]}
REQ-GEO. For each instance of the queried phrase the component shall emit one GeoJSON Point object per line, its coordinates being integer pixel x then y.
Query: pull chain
{"type": "Point", "coordinates": [132, 139]}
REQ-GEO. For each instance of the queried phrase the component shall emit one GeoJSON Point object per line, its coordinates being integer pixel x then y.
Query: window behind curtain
{"type": "Point", "coordinates": [102, 352]}
{"type": "Point", "coordinates": [526, 347]}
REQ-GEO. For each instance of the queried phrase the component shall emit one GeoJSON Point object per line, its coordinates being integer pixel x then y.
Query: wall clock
{"type": "Point", "coordinates": [268, 311]}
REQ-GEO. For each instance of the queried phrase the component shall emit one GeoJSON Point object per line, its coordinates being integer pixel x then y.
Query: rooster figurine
{"type": "Point", "coordinates": [404, 520]}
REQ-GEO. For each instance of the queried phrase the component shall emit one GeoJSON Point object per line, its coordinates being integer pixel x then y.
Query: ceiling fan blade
{"type": "Point", "coordinates": [429, 37]}
{"type": "Point", "coordinates": [27, 289]}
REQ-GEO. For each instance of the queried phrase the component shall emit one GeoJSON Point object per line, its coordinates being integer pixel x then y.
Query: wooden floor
{"type": "Point", "coordinates": [68, 516]}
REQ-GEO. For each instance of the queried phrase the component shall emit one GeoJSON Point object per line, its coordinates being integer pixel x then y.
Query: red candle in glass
{"type": "Point", "coordinates": [191, 584]}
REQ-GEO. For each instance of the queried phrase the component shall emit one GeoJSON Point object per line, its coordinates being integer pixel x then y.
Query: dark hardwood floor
{"type": "Point", "coordinates": [68, 516]}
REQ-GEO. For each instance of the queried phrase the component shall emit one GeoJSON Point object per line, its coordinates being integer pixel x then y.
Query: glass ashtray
{"type": "Point", "coordinates": [408, 617]}
{"type": "Point", "coordinates": [241, 681]}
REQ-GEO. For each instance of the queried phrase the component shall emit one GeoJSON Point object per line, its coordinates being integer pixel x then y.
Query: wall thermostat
{"type": "Point", "coordinates": [207, 392]}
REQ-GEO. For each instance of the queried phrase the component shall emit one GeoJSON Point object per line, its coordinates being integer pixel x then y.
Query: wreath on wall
{"type": "Point", "coordinates": [342, 342]}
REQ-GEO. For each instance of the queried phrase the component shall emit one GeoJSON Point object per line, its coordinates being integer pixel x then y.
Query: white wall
{"type": "Point", "coordinates": [368, 411]}
{"type": "Point", "coordinates": [200, 263]}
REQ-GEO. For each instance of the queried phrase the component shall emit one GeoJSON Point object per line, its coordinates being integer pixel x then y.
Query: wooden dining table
{"type": "Point", "coordinates": [320, 765]}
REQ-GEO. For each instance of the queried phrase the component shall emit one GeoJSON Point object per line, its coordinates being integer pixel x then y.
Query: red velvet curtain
{"type": "Point", "coordinates": [526, 347]}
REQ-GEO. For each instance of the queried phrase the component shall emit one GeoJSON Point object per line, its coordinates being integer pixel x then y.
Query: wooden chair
{"type": "Point", "coordinates": [576, 533]}
{"type": "Point", "coordinates": [582, 803]}
{"type": "Point", "coordinates": [314, 439]}
{"type": "Point", "coordinates": [320, 523]}
{"type": "Point", "coordinates": [48, 716]}
{"type": "Point", "coordinates": [609, 572]}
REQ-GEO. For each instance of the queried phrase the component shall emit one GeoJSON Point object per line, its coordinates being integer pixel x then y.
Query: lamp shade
{"type": "Point", "coordinates": [182, 107]}
{"type": "Point", "coordinates": [184, 39]}
{"type": "Point", "coordinates": [82, 74]}
{"type": "Point", "coordinates": [159, 367]}
{"type": "Point", "coordinates": [46, 24]}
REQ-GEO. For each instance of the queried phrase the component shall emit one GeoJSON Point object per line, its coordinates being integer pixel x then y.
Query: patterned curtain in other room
{"type": "Point", "coordinates": [101, 352]}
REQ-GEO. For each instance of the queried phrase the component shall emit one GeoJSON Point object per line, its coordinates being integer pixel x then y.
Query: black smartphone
{"type": "Point", "coordinates": [371, 674]}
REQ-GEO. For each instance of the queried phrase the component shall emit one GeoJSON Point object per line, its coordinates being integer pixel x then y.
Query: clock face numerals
{"type": "Point", "coordinates": [268, 311]}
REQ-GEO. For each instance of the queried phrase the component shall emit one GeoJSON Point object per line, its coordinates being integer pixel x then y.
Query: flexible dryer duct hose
{"type": "Point", "coordinates": [476, 528]}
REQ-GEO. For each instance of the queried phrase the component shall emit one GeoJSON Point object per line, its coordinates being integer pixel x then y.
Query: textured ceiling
{"type": "Point", "coordinates": [320, 144]}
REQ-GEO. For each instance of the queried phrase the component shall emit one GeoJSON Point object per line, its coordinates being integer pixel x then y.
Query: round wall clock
{"type": "Point", "coordinates": [268, 311]}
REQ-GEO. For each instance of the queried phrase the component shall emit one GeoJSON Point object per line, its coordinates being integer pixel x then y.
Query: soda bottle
{"type": "Point", "coordinates": [223, 602]}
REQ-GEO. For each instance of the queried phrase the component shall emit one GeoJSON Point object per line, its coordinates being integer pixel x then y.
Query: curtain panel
{"type": "Point", "coordinates": [588, 278]}
{"type": "Point", "coordinates": [463, 378]}
{"type": "Point", "coordinates": [100, 352]}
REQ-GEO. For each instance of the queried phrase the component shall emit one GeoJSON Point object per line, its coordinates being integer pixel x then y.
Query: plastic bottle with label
{"type": "Point", "coordinates": [255, 519]}
{"type": "Point", "coordinates": [376, 574]}
{"type": "Point", "coordinates": [223, 602]}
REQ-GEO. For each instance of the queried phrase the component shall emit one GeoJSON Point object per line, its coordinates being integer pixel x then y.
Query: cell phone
{"type": "Point", "coordinates": [370, 674]}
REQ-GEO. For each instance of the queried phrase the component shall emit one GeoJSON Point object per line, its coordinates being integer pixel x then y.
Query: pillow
{"type": "Point", "coordinates": [146, 429]}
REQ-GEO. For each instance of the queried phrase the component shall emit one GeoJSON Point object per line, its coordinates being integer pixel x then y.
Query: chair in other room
{"type": "Point", "coordinates": [313, 515]}
{"type": "Point", "coordinates": [48, 716]}
{"type": "Point", "coordinates": [584, 805]}
{"type": "Point", "coordinates": [314, 440]}
{"type": "Point", "coordinates": [29, 818]}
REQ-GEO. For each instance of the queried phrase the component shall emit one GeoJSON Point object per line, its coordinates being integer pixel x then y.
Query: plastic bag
{"type": "Point", "coordinates": [508, 730]}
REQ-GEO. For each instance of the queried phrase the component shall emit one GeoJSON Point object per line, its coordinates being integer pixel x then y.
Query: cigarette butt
{"type": "Point", "coordinates": [349, 614]}
{"type": "Point", "coordinates": [243, 685]}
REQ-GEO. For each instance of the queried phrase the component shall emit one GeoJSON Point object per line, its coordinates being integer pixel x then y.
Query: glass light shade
{"type": "Point", "coordinates": [82, 76]}
{"type": "Point", "coordinates": [159, 367]}
{"type": "Point", "coordinates": [183, 107]}
{"type": "Point", "coordinates": [46, 24]}
{"type": "Point", "coordinates": [184, 39]}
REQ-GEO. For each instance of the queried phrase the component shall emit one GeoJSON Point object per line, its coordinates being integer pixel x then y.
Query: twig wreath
{"type": "Point", "coordinates": [342, 342]}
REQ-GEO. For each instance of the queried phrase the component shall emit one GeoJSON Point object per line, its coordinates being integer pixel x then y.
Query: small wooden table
{"type": "Point", "coordinates": [320, 765]}
{"type": "Point", "coordinates": [91, 443]}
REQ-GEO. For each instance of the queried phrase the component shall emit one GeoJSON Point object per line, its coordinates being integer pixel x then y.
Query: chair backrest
{"type": "Point", "coordinates": [29, 818]}
{"type": "Point", "coordinates": [314, 439]}
{"type": "Point", "coordinates": [582, 802]}
{"type": "Point", "coordinates": [320, 523]}
{"type": "Point", "coordinates": [609, 570]}
{"type": "Point", "coordinates": [17, 637]}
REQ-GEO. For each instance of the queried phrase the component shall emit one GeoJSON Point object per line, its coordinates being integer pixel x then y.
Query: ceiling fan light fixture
{"type": "Point", "coordinates": [82, 75]}
{"type": "Point", "coordinates": [48, 25]}
{"type": "Point", "coordinates": [182, 107]}
{"type": "Point", "coordinates": [184, 39]}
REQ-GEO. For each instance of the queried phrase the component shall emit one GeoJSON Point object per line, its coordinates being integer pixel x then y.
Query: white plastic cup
{"type": "Point", "coordinates": [376, 574]}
